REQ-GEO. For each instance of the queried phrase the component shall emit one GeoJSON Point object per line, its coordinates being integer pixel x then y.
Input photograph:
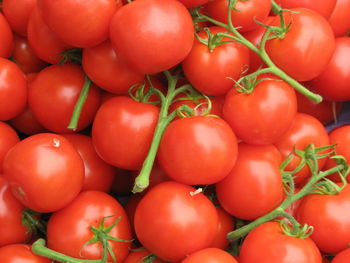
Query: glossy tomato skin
{"type": "Point", "coordinates": [157, 27]}
{"type": "Point", "coordinates": [12, 229]}
{"type": "Point", "coordinates": [187, 222]}
{"type": "Point", "coordinates": [54, 93]}
{"type": "Point", "coordinates": [69, 229]}
{"type": "Point", "coordinates": [8, 139]}
{"type": "Point", "coordinates": [310, 52]}
{"type": "Point", "coordinates": [342, 257]}
{"type": "Point", "coordinates": [45, 172]}
{"type": "Point", "coordinates": [210, 255]}
{"type": "Point", "coordinates": [68, 19]}
{"type": "Point", "coordinates": [249, 11]}
{"type": "Point", "coordinates": [255, 176]}
{"type": "Point", "coordinates": [339, 18]}
{"type": "Point", "coordinates": [253, 116]}
{"type": "Point", "coordinates": [226, 224]}
{"type": "Point", "coordinates": [225, 62]}
{"type": "Point", "coordinates": [20, 253]}
{"type": "Point", "coordinates": [268, 244]}
{"type": "Point", "coordinates": [333, 83]}
{"type": "Point", "coordinates": [330, 217]}
{"type": "Point", "coordinates": [324, 8]}
{"type": "Point", "coordinates": [204, 154]}
{"type": "Point", "coordinates": [123, 130]}
{"type": "Point", "coordinates": [104, 67]}
{"type": "Point", "coordinates": [6, 38]}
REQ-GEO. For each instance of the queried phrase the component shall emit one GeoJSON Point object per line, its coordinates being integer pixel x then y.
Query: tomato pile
{"type": "Point", "coordinates": [178, 131]}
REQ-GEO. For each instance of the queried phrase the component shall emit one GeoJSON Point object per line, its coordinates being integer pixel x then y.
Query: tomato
{"type": "Point", "coordinates": [253, 116]}
{"type": "Point", "coordinates": [69, 229]}
{"type": "Point", "coordinates": [333, 82]}
{"type": "Point", "coordinates": [330, 217]}
{"type": "Point", "coordinates": [104, 67]}
{"type": "Point", "coordinates": [6, 38]}
{"type": "Point", "coordinates": [267, 244]}
{"type": "Point", "coordinates": [12, 85]}
{"type": "Point", "coordinates": [139, 255]}
{"type": "Point", "coordinates": [255, 176]}
{"type": "Point", "coordinates": [225, 225]}
{"type": "Point", "coordinates": [172, 223]}
{"type": "Point", "coordinates": [45, 172]}
{"type": "Point", "coordinates": [144, 32]}
{"type": "Point", "coordinates": [210, 255]}
{"type": "Point", "coordinates": [20, 253]}
{"type": "Point", "coordinates": [130, 208]}
{"type": "Point", "coordinates": [310, 52]}
{"type": "Point", "coordinates": [54, 93]}
{"type": "Point", "coordinates": [8, 139]}
{"type": "Point", "coordinates": [12, 229]}
{"type": "Point", "coordinates": [305, 130]}
{"type": "Point", "coordinates": [68, 19]}
{"type": "Point", "coordinates": [122, 131]}
{"type": "Point", "coordinates": [339, 18]}
{"type": "Point", "coordinates": [245, 14]}
{"type": "Point", "coordinates": [45, 44]}
{"type": "Point", "coordinates": [98, 175]}
{"type": "Point", "coordinates": [193, 3]}
{"type": "Point", "coordinates": [324, 7]}
{"type": "Point", "coordinates": [198, 150]}
{"type": "Point", "coordinates": [25, 57]}
{"type": "Point", "coordinates": [342, 257]}
{"type": "Point", "coordinates": [17, 14]}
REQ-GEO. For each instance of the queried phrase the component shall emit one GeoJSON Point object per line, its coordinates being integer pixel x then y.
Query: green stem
{"type": "Point", "coordinates": [276, 9]}
{"type": "Point", "coordinates": [79, 105]}
{"type": "Point", "coordinates": [33, 223]}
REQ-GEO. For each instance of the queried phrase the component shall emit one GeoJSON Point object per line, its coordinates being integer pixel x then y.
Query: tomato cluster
{"type": "Point", "coordinates": [177, 131]}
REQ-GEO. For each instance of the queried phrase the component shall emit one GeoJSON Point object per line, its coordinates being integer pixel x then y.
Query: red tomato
{"type": "Point", "coordinates": [98, 175]}
{"type": "Point", "coordinates": [342, 257]}
{"type": "Point", "coordinates": [330, 217]}
{"type": "Point", "coordinates": [69, 229]}
{"type": "Point", "coordinates": [6, 37]}
{"type": "Point", "coordinates": [193, 3]}
{"type": "Point", "coordinates": [45, 172]}
{"type": "Point", "coordinates": [324, 7]}
{"type": "Point", "coordinates": [255, 176]}
{"type": "Point", "coordinates": [139, 255]}
{"type": "Point", "coordinates": [13, 90]}
{"type": "Point", "coordinates": [8, 139]}
{"type": "Point", "coordinates": [123, 130]}
{"type": "Point", "coordinates": [79, 23]}
{"type": "Point", "coordinates": [245, 15]}
{"type": "Point", "coordinates": [12, 229]}
{"type": "Point", "coordinates": [225, 225]}
{"type": "Point", "coordinates": [25, 57]}
{"type": "Point", "coordinates": [198, 150]}
{"type": "Point", "coordinates": [17, 14]}
{"type": "Point", "coordinates": [253, 116]}
{"type": "Point", "coordinates": [104, 67]}
{"type": "Point", "coordinates": [20, 253]}
{"type": "Point", "coordinates": [333, 82]}
{"type": "Point", "coordinates": [210, 255]}
{"type": "Point", "coordinates": [339, 19]}
{"type": "Point", "coordinates": [45, 44]}
{"type": "Point", "coordinates": [152, 35]}
{"type": "Point", "coordinates": [225, 61]}
{"type": "Point", "coordinates": [304, 130]}
{"type": "Point", "coordinates": [54, 93]}
{"type": "Point", "coordinates": [130, 209]}
{"type": "Point", "coordinates": [267, 243]}
{"type": "Point", "coordinates": [171, 221]}
{"type": "Point", "coordinates": [310, 52]}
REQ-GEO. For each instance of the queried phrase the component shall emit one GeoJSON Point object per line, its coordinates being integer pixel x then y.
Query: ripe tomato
{"type": "Point", "coordinates": [255, 176]}
{"type": "Point", "coordinates": [267, 243]}
{"type": "Point", "coordinates": [225, 225]}
{"type": "Point", "coordinates": [69, 229]}
{"type": "Point", "coordinates": [198, 150]}
{"type": "Point", "coordinates": [226, 61]}
{"type": "Point", "coordinates": [172, 223]}
{"type": "Point", "coordinates": [152, 35]}
{"type": "Point", "coordinates": [6, 38]}
{"type": "Point", "coordinates": [339, 18]}
{"type": "Point", "coordinates": [8, 139]}
{"type": "Point", "coordinates": [54, 93]}
{"type": "Point", "coordinates": [139, 255]}
{"type": "Point", "coordinates": [20, 253]}
{"type": "Point", "coordinates": [324, 7]}
{"type": "Point", "coordinates": [253, 116]}
{"type": "Point", "coordinates": [342, 257]}
{"type": "Point", "coordinates": [210, 255]}
{"type": "Point", "coordinates": [13, 90]}
{"type": "Point", "coordinates": [245, 14]}
{"type": "Point", "coordinates": [68, 19]}
{"type": "Point", "coordinates": [310, 52]}
{"type": "Point", "coordinates": [122, 131]}
{"type": "Point", "coordinates": [330, 217]}
{"type": "Point", "coordinates": [333, 82]}
{"type": "Point", "coordinates": [45, 172]}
